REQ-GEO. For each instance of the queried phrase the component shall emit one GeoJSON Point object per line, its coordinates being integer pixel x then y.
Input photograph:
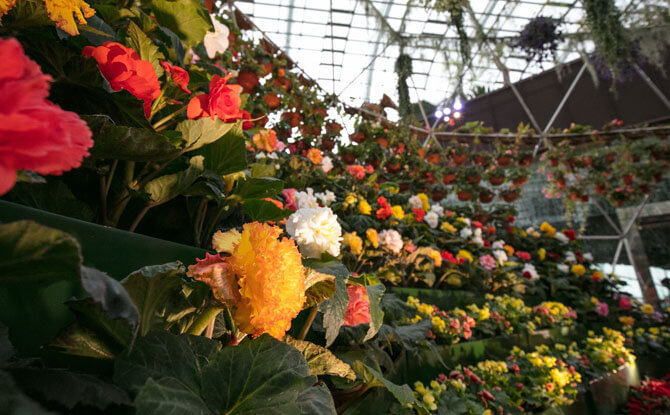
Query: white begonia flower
{"type": "Point", "coordinates": [326, 198]}
{"type": "Point", "coordinates": [498, 245]}
{"type": "Point", "coordinates": [273, 156]}
{"type": "Point", "coordinates": [438, 209]}
{"type": "Point", "coordinates": [563, 268]}
{"type": "Point", "coordinates": [431, 219]}
{"type": "Point", "coordinates": [315, 230]}
{"type": "Point", "coordinates": [260, 155]}
{"type": "Point", "coordinates": [532, 232]}
{"type": "Point", "coordinates": [570, 256]}
{"type": "Point", "coordinates": [467, 221]}
{"type": "Point", "coordinates": [477, 238]}
{"type": "Point", "coordinates": [216, 41]}
{"type": "Point", "coordinates": [326, 164]}
{"type": "Point", "coordinates": [500, 255]}
{"type": "Point", "coordinates": [465, 233]}
{"type": "Point", "coordinates": [588, 257]}
{"type": "Point", "coordinates": [415, 202]}
{"type": "Point", "coordinates": [562, 238]}
{"type": "Point", "coordinates": [304, 200]}
{"type": "Point", "coordinates": [530, 272]}
{"type": "Point", "coordinates": [391, 240]}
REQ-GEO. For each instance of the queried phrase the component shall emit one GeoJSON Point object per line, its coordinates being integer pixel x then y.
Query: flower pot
{"type": "Point", "coordinates": [497, 180]}
{"type": "Point", "coordinates": [486, 197]}
{"type": "Point", "coordinates": [437, 195]}
{"type": "Point", "coordinates": [393, 167]}
{"type": "Point", "coordinates": [433, 158]}
{"type": "Point", "coordinates": [267, 68]}
{"type": "Point", "coordinates": [348, 157]}
{"type": "Point", "coordinates": [464, 195]}
{"type": "Point", "coordinates": [272, 100]}
{"type": "Point", "coordinates": [320, 111]}
{"type": "Point", "coordinates": [374, 162]}
{"type": "Point", "coordinates": [459, 158]}
{"type": "Point", "coordinates": [553, 161]}
{"type": "Point", "coordinates": [291, 118]}
{"type": "Point", "coordinates": [600, 189]}
{"type": "Point", "coordinates": [526, 160]}
{"type": "Point", "coordinates": [510, 196]}
{"type": "Point", "coordinates": [382, 142]}
{"type": "Point", "coordinates": [520, 181]}
{"type": "Point", "coordinates": [327, 144]}
{"type": "Point", "coordinates": [310, 130]}
{"type": "Point", "coordinates": [481, 160]}
{"type": "Point", "coordinates": [504, 160]}
{"type": "Point", "coordinates": [247, 80]}
{"type": "Point", "coordinates": [628, 179]}
{"type": "Point", "coordinates": [333, 128]}
{"type": "Point", "coordinates": [282, 83]}
{"type": "Point", "coordinates": [610, 157]}
{"type": "Point", "coordinates": [448, 178]}
{"type": "Point", "coordinates": [474, 179]}
{"type": "Point", "coordinates": [357, 137]}
{"type": "Point", "coordinates": [403, 187]}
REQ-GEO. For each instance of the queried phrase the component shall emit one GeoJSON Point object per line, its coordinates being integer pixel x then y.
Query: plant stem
{"type": "Point", "coordinates": [203, 320]}
{"type": "Point", "coordinates": [169, 117]}
{"type": "Point", "coordinates": [139, 217]}
{"type": "Point", "coordinates": [111, 176]}
{"type": "Point", "coordinates": [308, 323]}
{"type": "Point", "coordinates": [199, 220]}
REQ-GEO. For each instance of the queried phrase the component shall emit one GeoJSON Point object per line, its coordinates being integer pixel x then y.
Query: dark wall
{"type": "Point", "coordinates": [633, 102]}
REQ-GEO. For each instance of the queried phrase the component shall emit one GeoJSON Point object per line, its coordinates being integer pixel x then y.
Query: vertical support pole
{"type": "Point", "coordinates": [652, 85]}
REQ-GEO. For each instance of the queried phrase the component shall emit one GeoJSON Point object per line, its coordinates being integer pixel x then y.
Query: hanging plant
{"type": "Point", "coordinates": [403, 67]}
{"type": "Point", "coordinates": [455, 10]}
{"type": "Point", "coordinates": [614, 48]}
{"type": "Point", "coordinates": [540, 38]}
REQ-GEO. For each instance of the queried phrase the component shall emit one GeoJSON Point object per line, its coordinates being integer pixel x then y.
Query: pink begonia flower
{"type": "Point", "coordinates": [358, 310]}
{"type": "Point", "coordinates": [289, 195]}
{"type": "Point", "coordinates": [487, 262]}
{"type": "Point", "coordinates": [602, 309]}
{"type": "Point", "coordinates": [624, 304]}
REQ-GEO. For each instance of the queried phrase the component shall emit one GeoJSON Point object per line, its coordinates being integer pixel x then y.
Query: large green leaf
{"type": "Point", "coordinates": [14, 401]}
{"type": "Point", "coordinates": [187, 18]}
{"type": "Point", "coordinates": [166, 187]}
{"type": "Point", "coordinates": [188, 374]}
{"type": "Point", "coordinates": [144, 47]}
{"type": "Point", "coordinates": [110, 295]}
{"type": "Point", "coordinates": [322, 361]}
{"type": "Point", "coordinates": [30, 252]}
{"type": "Point", "coordinates": [262, 210]}
{"type": "Point", "coordinates": [334, 308]}
{"type": "Point", "coordinates": [375, 293]}
{"type": "Point", "coordinates": [373, 378]}
{"type": "Point", "coordinates": [199, 133]}
{"type": "Point", "coordinates": [227, 154]}
{"type": "Point", "coordinates": [80, 341]}
{"type": "Point", "coordinates": [152, 288]}
{"type": "Point", "coordinates": [255, 188]}
{"type": "Point", "coordinates": [127, 143]}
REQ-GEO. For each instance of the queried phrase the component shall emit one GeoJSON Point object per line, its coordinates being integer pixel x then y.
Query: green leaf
{"type": "Point", "coordinates": [375, 293]}
{"type": "Point", "coordinates": [258, 188]}
{"type": "Point", "coordinates": [373, 378]}
{"type": "Point", "coordinates": [227, 154]}
{"type": "Point", "coordinates": [81, 341]}
{"type": "Point", "coordinates": [69, 389]}
{"type": "Point", "coordinates": [151, 289]}
{"type": "Point", "coordinates": [262, 170]}
{"type": "Point", "coordinates": [334, 310]}
{"type": "Point", "coordinates": [199, 133]}
{"type": "Point", "coordinates": [30, 252]}
{"type": "Point", "coordinates": [263, 210]}
{"type": "Point", "coordinates": [334, 268]}
{"type": "Point", "coordinates": [110, 295]}
{"type": "Point", "coordinates": [322, 361]}
{"type": "Point", "coordinates": [27, 176]}
{"type": "Point", "coordinates": [318, 287]}
{"type": "Point", "coordinates": [145, 47]}
{"type": "Point", "coordinates": [127, 143]}
{"type": "Point", "coordinates": [12, 399]}
{"type": "Point", "coordinates": [105, 335]}
{"type": "Point", "coordinates": [188, 374]}
{"type": "Point", "coordinates": [167, 187]}
{"type": "Point", "coordinates": [187, 18]}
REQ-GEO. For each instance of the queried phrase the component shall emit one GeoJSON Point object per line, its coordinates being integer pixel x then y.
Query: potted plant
{"type": "Point", "coordinates": [449, 175]}
{"type": "Point", "coordinates": [519, 176]}
{"type": "Point", "coordinates": [438, 193]}
{"type": "Point", "coordinates": [433, 156]}
{"type": "Point", "coordinates": [510, 195]}
{"type": "Point", "coordinates": [481, 158]}
{"type": "Point", "coordinates": [357, 137]}
{"type": "Point", "coordinates": [464, 192]}
{"type": "Point", "coordinates": [486, 195]}
{"type": "Point", "coordinates": [459, 155]}
{"type": "Point", "coordinates": [472, 174]}
{"type": "Point", "coordinates": [504, 159]}
{"type": "Point", "coordinates": [496, 176]}
{"type": "Point", "coordinates": [525, 158]}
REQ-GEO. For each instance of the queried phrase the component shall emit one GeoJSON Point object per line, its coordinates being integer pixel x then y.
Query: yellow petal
{"type": "Point", "coordinates": [226, 241]}
{"type": "Point", "coordinates": [6, 6]}
{"type": "Point", "coordinates": [63, 12]}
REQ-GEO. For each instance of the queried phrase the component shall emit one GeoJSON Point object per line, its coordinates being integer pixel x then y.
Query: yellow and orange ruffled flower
{"type": "Point", "coordinates": [354, 241]}
{"type": "Point", "coordinates": [364, 207]}
{"type": "Point", "coordinates": [314, 155]}
{"type": "Point", "coordinates": [266, 140]}
{"type": "Point", "coordinates": [465, 255]}
{"type": "Point", "coordinates": [373, 237]}
{"type": "Point", "coordinates": [548, 230]}
{"type": "Point", "coordinates": [62, 12]}
{"type": "Point", "coordinates": [627, 320]}
{"type": "Point", "coordinates": [266, 294]}
{"type": "Point", "coordinates": [578, 269]}
{"type": "Point", "coordinates": [397, 212]}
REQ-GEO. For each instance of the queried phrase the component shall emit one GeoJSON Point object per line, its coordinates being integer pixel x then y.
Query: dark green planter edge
{"type": "Point", "coordinates": [35, 313]}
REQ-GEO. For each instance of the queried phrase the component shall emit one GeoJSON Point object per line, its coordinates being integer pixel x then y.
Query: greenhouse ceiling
{"type": "Point", "coordinates": [350, 46]}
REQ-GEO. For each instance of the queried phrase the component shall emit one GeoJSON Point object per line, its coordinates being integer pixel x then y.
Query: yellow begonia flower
{"type": "Point", "coordinates": [63, 13]}
{"type": "Point", "coordinates": [523, 234]}
{"type": "Point", "coordinates": [647, 308]}
{"type": "Point", "coordinates": [272, 291]}
{"type": "Point", "coordinates": [464, 254]}
{"type": "Point", "coordinates": [6, 6]}
{"type": "Point", "coordinates": [654, 330]}
{"type": "Point", "coordinates": [397, 212]}
{"type": "Point", "coordinates": [393, 189]}
{"type": "Point", "coordinates": [436, 257]}
{"type": "Point", "coordinates": [595, 301]}
{"type": "Point", "coordinates": [509, 249]}
{"type": "Point", "coordinates": [350, 200]}
{"type": "Point", "coordinates": [542, 253]}
{"type": "Point", "coordinates": [373, 237]}
{"type": "Point", "coordinates": [578, 269]}
{"type": "Point", "coordinates": [448, 227]}
{"type": "Point", "coordinates": [548, 230]}
{"type": "Point", "coordinates": [627, 320]}
{"type": "Point", "coordinates": [484, 314]}
{"type": "Point", "coordinates": [364, 207]}
{"type": "Point", "coordinates": [424, 201]}
{"type": "Point", "coordinates": [354, 241]}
